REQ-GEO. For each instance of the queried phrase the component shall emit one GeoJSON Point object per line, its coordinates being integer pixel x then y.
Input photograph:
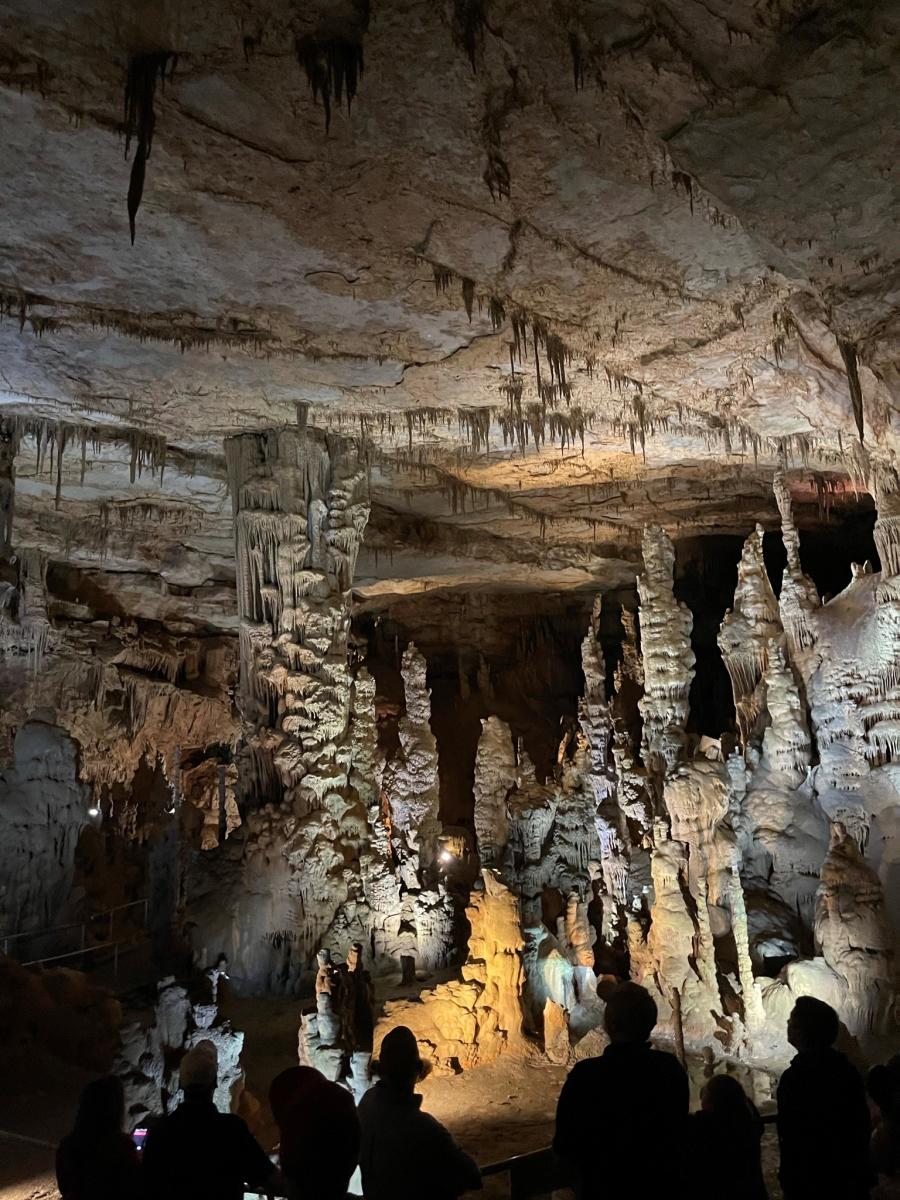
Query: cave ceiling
{"type": "Point", "coordinates": [562, 267]}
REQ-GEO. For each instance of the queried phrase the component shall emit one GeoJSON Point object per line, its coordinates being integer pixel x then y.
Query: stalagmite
{"type": "Point", "coordinates": [668, 657]}
{"type": "Point", "coordinates": [799, 600]}
{"type": "Point", "coordinates": [411, 778]}
{"type": "Point", "coordinates": [855, 935]}
{"type": "Point", "coordinates": [596, 724]}
{"type": "Point", "coordinates": [8, 448]}
{"type": "Point", "coordinates": [786, 741]}
{"type": "Point", "coordinates": [746, 632]}
{"type": "Point", "coordinates": [412, 795]}
{"type": "Point", "coordinates": [754, 1015]}
{"type": "Point", "coordinates": [676, 945]}
{"type": "Point", "coordinates": [495, 777]}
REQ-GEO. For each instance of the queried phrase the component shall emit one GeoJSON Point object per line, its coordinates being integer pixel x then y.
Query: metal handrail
{"type": "Point", "coordinates": [530, 1158]}
{"type": "Point", "coordinates": [82, 925]}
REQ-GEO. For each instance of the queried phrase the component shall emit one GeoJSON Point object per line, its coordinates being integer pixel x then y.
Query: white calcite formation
{"type": "Point", "coordinates": [798, 600]}
{"type": "Point", "coordinates": [411, 795]}
{"type": "Point", "coordinates": [667, 656]}
{"type": "Point", "coordinates": [495, 778]}
{"type": "Point", "coordinates": [746, 633]}
{"type": "Point", "coordinates": [473, 1020]}
{"type": "Point", "coordinates": [149, 1054]}
{"type": "Point", "coordinates": [292, 878]}
{"type": "Point", "coordinates": [410, 780]}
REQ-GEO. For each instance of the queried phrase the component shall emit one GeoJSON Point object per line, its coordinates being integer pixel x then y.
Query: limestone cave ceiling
{"type": "Point", "coordinates": [562, 267]}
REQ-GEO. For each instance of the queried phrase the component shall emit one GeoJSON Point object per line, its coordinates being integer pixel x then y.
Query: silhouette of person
{"type": "Point", "coordinates": [405, 1153]}
{"type": "Point", "coordinates": [319, 1146]}
{"type": "Point", "coordinates": [198, 1153]}
{"type": "Point", "coordinates": [883, 1087]}
{"type": "Point", "coordinates": [613, 1108]}
{"type": "Point", "coordinates": [725, 1144]}
{"type": "Point", "coordinates": [823, 1118]}
{"type": "Point", "coordinates": [97, 1160]}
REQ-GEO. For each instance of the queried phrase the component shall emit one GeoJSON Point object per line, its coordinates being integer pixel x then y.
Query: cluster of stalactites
{"type": "Point", "coordinates": [25, 628]}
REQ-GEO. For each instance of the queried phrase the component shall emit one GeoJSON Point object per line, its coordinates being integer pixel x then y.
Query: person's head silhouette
{"type": "Point", "coordinates": [199, 1071]}
{"type": "Point", "coordinates": [399, 1064]}
{"type": "Point", "coordinates": [812, 1025]}
{"type": "Point", "coordinates": [630, 1014]}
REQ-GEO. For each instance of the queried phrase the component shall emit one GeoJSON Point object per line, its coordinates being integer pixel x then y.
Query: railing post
{"type": "Point", "coordinates": [116, 962]}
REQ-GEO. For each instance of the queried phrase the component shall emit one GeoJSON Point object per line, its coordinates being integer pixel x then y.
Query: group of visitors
{"type": "Point", "coordinates": [622, 1128]}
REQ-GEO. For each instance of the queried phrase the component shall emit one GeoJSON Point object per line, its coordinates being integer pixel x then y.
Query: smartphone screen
{"type": "Point", "coordinates": [138, 1138]}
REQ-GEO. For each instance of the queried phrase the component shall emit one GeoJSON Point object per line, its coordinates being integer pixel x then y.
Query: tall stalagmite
{"type": "Point", "coordinates": [745, 635]}
{"type": "Point", "coordinates": [668, 658]}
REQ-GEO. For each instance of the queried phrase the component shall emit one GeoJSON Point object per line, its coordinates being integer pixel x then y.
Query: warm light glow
{"type": "Point", "coordinates": [93, 812]}
{"type": "Point", "coordinates": [446, 856]}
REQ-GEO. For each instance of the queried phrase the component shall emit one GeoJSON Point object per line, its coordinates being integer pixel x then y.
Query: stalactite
{"type": "Point", "coordinates": [468, 27]}
{"type": "Point", "coordinates": [333, 67]}
{"type": "Point", "coordinates": [577, 59]}
{"type": "Point", "coordinates": [140, 89]}
{"type": "Point", "coordinates": [9, 447]}
{"type": "Point", "coordinates": [848, 354]}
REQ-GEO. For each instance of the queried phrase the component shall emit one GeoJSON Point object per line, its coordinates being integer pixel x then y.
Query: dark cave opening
{"type": "Point", "coordinates": [518, 655]}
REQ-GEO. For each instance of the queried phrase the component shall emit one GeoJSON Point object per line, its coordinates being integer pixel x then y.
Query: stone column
{"type": "Point", "coordinates": [301, 505]}
{"type": "Point", "coordinates": [666, 626]}
{"type": "Point", "coordinates": [745, 634]}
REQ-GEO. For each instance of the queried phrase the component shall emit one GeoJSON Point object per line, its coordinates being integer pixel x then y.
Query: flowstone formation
{"type": "Point", "coordinates": [290, 877]}
{"type": "Point", "coordinates": [473, 1020]}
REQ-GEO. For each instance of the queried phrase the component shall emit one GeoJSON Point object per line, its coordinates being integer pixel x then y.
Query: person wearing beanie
{"type": "Point", "coordinates": [823, 1116]}
{"type": "Point", "coordinates": [198, 1153]}
{"type": "Point", "coordinates": [405, 1153]}
{"type": "Point", "coordinates": [319, 1146]}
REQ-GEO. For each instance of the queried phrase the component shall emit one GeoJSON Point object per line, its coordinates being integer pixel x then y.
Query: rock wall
{"type": "Point", "coordinates": [44, 809]}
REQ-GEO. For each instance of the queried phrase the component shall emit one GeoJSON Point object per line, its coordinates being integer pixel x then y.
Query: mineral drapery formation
{"type": "Point", "coordinates": [301, 505]}
{"type": "Point", "coordinates": [472, 1021]}
{"type": "Point", "coordinates": [41, 791]}
{"type": "Point", "coordinates": [668, 657]}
